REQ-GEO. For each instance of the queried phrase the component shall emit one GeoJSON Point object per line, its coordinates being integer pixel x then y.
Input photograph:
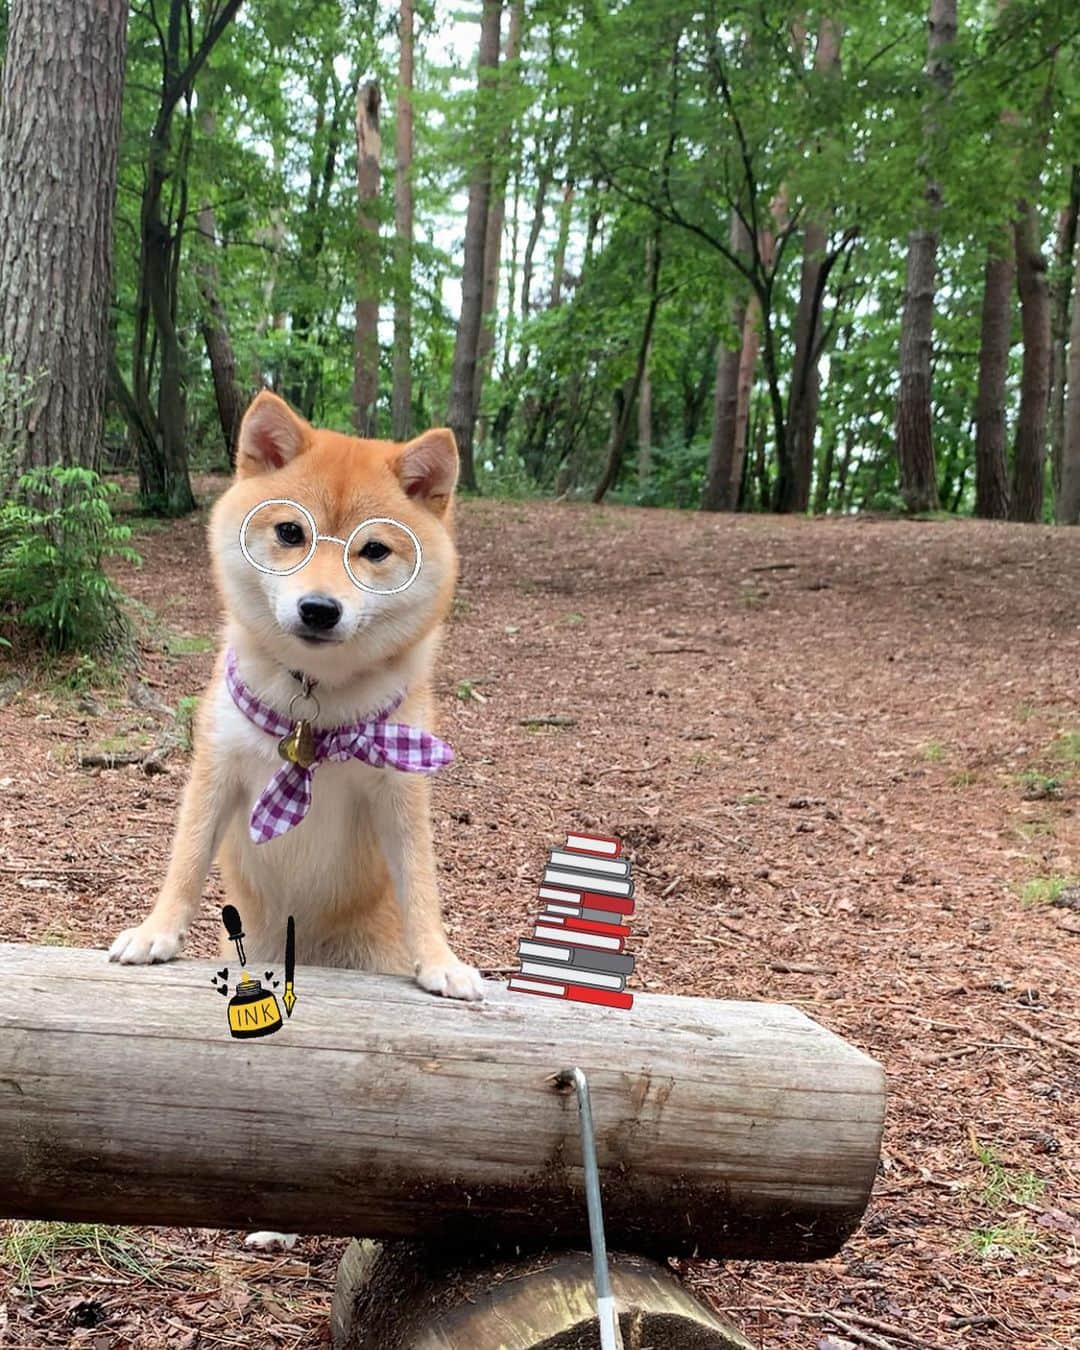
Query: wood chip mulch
{"type": "Point", "coordinates": [846, 756]}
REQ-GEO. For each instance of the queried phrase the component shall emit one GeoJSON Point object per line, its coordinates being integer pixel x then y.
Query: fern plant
{"type": "Point", "coordinates": [56, 532]}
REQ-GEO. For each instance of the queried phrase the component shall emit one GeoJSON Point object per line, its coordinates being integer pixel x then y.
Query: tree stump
{"type": "Point", "coordinates": [408, 1296]}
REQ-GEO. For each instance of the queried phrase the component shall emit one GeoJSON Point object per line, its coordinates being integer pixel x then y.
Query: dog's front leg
{"type": "Point", "coordinates": [402, 820]}
{"type": "Point", "coordinates": [208, 804]}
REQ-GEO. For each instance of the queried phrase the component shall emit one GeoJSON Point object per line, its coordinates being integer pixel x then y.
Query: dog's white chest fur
{"type": "Point", "coordinates": [314, 858]}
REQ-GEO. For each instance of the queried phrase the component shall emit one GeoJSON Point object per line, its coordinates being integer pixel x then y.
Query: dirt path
{"type": "Point", "coordinates": [846, 755]}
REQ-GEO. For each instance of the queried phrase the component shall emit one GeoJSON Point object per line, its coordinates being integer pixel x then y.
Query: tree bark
{"type": "Point", "coordinates": [717, 494]}
{"type": "Point", "coordinates": [796, 471]}
{"type": "Point", "coordinates": [461, 413]}
{"type": "Point", "coordinates": [644, 423]}
{"type": "Point", "coordinates": [230, 398]}
{"type": "Point", "coordinates": [914, 437]}
{"type": "Point", "coordinates": [160, 431]}
{"type": "Point", "coordinates": [621, 428]}
{"type": "Point", "coordinates": [1068, 499]}
{"type": "Point", "coordinates": [1061, 293]}
{"type": "Point", "coordinates": [1029, 450]}
{"type": "Point", "coordinates": [60, 99]}
{"type": "Point", "coordinates": [366, 372]}
{"type": "Point", "coordinates": [991, 468]}
{"type": "Point", "coordinates": [389, 1296]}
{"type": "Point", "coordinates": [509, 76]}
{"type": "Point", "coordinates": [725, 1128]}
{"type": "Point", "coordinates": [401, 395]}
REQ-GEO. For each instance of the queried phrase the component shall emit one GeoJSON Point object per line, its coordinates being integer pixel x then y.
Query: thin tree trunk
{"type": "Point", "coordinates": [366, 372]}
{"type": "Point", "coordinates": [485, 349]}
{"type": "Point", "coordinates": [1068, 499]}
{"type": "Point", "coordinates": [1061, 293]}
{"type": "Point", "coordinates": [1029, 450]}
{"type": "Point", "coordinates": [744, 388]}
{"type": "Point", "coordinates": [461, 413]}
{"type": "Point", "coordinates": [543, 182]}
{"type": "Point", "coordinates": [228, 395]}
{"type": "Point", "coordinates": [644, 422]}
{"type": "Point", "coordinates": [717, 492]}
{"type": "Point", "coordinates": [914, 437]}
{"type": "Point", "coordinates": [60, 97]}
{"type": "Point", "coordinates": [401, 394]}
{"type": "Point", "coordinates": [991, 469]}
{"type": "Point", "coordinates": [558, 262]}
{"type": "Point", "coordinates": [796, 472]}
{"type": "Point", "coordinates": [621, 430]}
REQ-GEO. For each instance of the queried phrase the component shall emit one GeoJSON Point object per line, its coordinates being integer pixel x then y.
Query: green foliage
{"type": "Point", "coordinates": [1044, 890]}
{"type": "Point", "coordinates": [55, 534]}
{"type": "Point", "coordinates": [186, 709]}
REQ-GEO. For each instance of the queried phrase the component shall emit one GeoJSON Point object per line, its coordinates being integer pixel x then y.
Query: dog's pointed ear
{"type": "Point", "coordinates": [271, 435]}
{"type": "Point", "coordinates": [427, 468]}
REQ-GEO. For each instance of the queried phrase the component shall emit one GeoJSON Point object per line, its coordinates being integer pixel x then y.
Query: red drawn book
{"type": "Point", "coordinates": [569, 923]}
{"type": "Point", "coordinates": [584, 899]}
{"type": "Point", "coordinates": [596, 845]}
{"type": "Point", "coordinates": [576, 993]}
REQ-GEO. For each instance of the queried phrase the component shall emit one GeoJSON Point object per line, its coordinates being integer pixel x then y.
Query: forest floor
{"type": "Point", "coordinates": [846, 756]}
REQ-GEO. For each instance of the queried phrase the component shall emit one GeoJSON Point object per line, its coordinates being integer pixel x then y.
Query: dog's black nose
{"type": "Point", "coordinates": [319, 612]}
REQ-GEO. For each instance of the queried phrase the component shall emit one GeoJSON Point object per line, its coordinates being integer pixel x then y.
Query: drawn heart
{"type": "Point", "coordinates": [275, 984]}
{"type": "Point", "coordinates": [223, 974]}
{"type": "Point", "coordinates": [223, 989]}
{"type": "Point", "coordinates": [268, 974]}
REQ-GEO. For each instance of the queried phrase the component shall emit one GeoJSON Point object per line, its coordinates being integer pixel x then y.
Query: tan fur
{"type": "Point", "coordinates": [359, 872]}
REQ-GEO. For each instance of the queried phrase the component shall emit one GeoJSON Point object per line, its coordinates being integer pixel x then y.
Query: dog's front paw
{"type": "Point", "coordinates": [145, 944]}
{"type": "Point", "coordinates": [450, 977]}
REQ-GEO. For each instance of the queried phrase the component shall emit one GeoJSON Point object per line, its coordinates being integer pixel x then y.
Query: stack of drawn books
{"type": "Point", "coordinates": [578, 947]}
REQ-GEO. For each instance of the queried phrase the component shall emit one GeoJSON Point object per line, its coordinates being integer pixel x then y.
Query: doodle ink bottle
{"type": "Point", "coordinates": [253, 1011]}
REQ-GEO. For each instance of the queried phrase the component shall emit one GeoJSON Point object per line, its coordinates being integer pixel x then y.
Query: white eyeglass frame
{"type": "Point", "coordinates": [317, 539]}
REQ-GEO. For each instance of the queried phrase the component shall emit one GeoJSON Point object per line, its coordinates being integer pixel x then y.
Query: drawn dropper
{"type": "Point", "coordinates": [230, 917]}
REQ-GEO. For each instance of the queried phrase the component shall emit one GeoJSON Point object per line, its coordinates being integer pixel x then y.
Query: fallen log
{"type": "Point", "coordinates": [403, 1296]}
{"type": "Point", "coordinates": [724, 1128]}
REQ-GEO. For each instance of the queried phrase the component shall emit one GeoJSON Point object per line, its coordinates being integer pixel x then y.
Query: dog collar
{"type": "Point", "coordinates": [374, 740]}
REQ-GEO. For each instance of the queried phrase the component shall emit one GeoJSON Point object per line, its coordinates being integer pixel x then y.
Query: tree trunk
{"type": "Point", "coordinates": [485, 348]}
{"type": "Point", "coordinates": [644, 424]}
{"type": "Point", "coordinates": [230, 398]}
{"type": "Point", "coordinates": [744, 389]}
{"type": "Point", "coordinates": [1068, 500]}
{"type": "Point", "coordinates": [60, 98]}
{"type": "Point", "coordinates": [717, 494]}
{"type": "Point", "coordinates": [389, 1296]}
{"type": "Point", "coordinates": [1061, 292]}
{"type": "Point", "coordinates": [621, 429]}
{"type": "Point", "coordinates": [160, 431]}
{"type": "Point", "coordinates": [991, 469]}
{"type": "Point", "coordinates": [366, 372]}
{"type": "Point", "coordinates": [724, 1128]}
{"type": "Point", "coordinates": [914, 437]}
{"type": "Point", "coordinates": [558, 261]}
{"type": "Point", "coordinates": [401, 396]}
{"type": "Point", "coordinates": [461, 413]}
{"type": "Point", "coordinates": [796, 471]}
{"type": "Point", "coordinates": [1029, 450]}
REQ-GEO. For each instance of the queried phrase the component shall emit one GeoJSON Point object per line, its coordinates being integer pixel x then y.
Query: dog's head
{"type": "Point", "coordinates": [289, 586]}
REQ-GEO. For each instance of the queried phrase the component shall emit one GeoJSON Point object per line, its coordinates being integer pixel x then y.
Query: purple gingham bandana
{"type": "Point", "coordinates": [286, 799]}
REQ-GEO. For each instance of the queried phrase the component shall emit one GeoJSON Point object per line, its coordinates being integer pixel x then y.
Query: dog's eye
{"type": "Point", "coordinates": [373, 551]}
{"type": "Point", "coordinates": [289, 533]}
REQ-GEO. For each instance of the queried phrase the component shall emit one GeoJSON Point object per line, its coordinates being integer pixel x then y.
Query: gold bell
{"type": "Point", "coordinates": [298, 747]}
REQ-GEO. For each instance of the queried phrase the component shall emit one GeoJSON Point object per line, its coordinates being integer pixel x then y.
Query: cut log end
{"type": "Point", "coordinates": [405, 1296]}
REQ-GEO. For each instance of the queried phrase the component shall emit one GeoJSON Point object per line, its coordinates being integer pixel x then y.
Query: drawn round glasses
{"type": "Point", "coordinates": [386, 552]}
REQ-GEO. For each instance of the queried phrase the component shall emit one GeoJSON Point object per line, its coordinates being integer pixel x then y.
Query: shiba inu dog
{"type": "Point", "coordinates": [336, 565]}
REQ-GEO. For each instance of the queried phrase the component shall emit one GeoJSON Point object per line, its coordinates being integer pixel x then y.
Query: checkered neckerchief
{"type": "Point", "coordinates": [286, 799]}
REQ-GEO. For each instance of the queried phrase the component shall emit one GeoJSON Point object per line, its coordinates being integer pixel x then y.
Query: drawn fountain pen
{"type": "Point", "coordinates": [289, 998]}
